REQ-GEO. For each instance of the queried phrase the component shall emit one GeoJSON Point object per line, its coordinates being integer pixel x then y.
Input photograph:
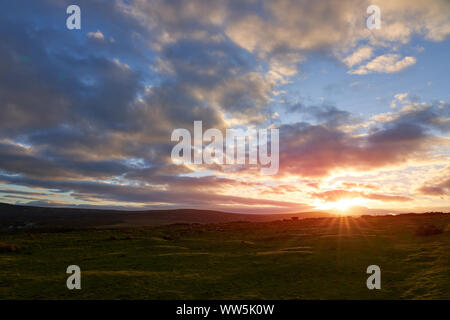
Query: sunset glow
{"type": "Point", "coordinates": [342, 205]}
{"type": "Point", "coordinates": [363, 114]}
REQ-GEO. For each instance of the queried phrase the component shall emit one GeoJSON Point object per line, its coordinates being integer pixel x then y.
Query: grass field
{"type": "Point", "coordinates": [320, 258]}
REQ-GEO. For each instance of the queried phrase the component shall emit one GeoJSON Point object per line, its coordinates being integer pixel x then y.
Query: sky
{"type": "Point", "coordinates": [363, 114]}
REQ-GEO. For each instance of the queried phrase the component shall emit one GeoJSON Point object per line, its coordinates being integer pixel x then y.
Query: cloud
{"type": "Point", "coordinates": [438, 186]}
{"type": "Point", "coordinates": [439, 190]}
{"type": "Point", "coordinates": [284, 33]}
{"type": "Point", "coordinates": [99, 192]}
{"type": "Point", "coordinates": [316, 150]}
{"type": "Point", "coordinates": [429, 19]}
{"type": "Point", "coordinates": [399, 98]}
{"type": "Point", "coordinates": [98, 35]}
{"type": "Point", "coordinates": [363, 53]}
{"type": "Point", "coordinates": [325, 114]}
{"type": "Point", "coordinates": [94, 120]}
{"type": "Point", "coordinates": [26, 161]}
{"type": "Point", "coordinates": [388, 63]}
{"type": "Point", "coordinates": [336, 195]}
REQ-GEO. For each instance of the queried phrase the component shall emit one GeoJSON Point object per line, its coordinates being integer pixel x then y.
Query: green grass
{"type": "Point", "coordinates": [306, 259]}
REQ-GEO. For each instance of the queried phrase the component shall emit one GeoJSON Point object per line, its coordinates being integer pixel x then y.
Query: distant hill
{"type": "Point", "coordinates": [23, 217]}
{"type": "Point", "coordinates": [17, 216]}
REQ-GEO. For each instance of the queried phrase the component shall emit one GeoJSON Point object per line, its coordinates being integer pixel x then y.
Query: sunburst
{"type": "Point", "coordinates": [342, 205]}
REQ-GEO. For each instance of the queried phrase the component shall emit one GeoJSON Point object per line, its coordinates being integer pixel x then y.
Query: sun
{"type": "Point", "coordinates": [342, 205]}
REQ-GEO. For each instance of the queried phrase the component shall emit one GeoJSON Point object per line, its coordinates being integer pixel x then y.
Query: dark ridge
{"type": "Point", "coordinates": [13, 217]}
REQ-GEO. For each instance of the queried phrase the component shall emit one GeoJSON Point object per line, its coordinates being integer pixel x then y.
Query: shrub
{"type": "Point", "coordinates": [7, 247]}
{"type": "Point", "coordinates": [428, 230]}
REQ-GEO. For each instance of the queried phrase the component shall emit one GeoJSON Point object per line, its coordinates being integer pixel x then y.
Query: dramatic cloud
{"type": "Point", "coordinates": [87, 115]}
{"type": "Point", "coordinates": [316, 150]}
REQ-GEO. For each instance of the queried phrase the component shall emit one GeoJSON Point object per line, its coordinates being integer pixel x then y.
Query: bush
{"type": "Point", "coordinates": [428, 230]}
{"type": "Point", "coordinates": [7, 247]}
